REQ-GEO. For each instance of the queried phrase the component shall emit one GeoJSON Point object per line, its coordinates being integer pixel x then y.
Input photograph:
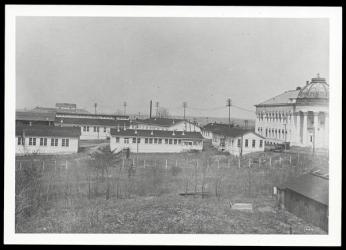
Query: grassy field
{"type": "Point", "coordinates": [103, 193]}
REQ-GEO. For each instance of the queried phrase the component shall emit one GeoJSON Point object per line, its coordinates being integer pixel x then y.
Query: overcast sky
{"type": "Point", "coordinates": [202, 61]}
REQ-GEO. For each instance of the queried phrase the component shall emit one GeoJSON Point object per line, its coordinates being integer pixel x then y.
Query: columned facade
{"type": "Point", "coordinates": [299, 117]}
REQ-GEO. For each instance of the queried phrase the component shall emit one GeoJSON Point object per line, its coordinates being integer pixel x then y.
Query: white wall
{"type": "Point", "coordinates": [30, 149]}
{"type": "Point", "coordinates": [152, 148]}
{"type": "Point", "coordinates": [207, 134]}
{"type": "Point", "coordinates": [233, 148]}
{"type": "Point", "coordinates": [91, 135]}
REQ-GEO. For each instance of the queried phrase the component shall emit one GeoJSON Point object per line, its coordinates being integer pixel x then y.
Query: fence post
{"type": "Point", "coordinates": [166, 164]}
{"type": "Point", "coordinates": [280, 162]}
{"type": "Point", "coordinates": [270, 161]}
{"type": "Point", "coordinates": [197, 163]}
{"type": "Point", "coordinates": [54, 166]}
{"type": "Point", "coordinates": [176, 163]}
{"type": "Point", "coordinates": [218, 163]}
{"type": "Point", "coordinates": [123, 163]}
{"type": "Point", "coordinates": [249, 162]}
{"type": "Point", "coordinates": [20, 165]}
{"type": "Point", "coordinates": [238, 162]}
{"type": "Point", "coordinates": [66, 164]}
{"type": "Point", "coordinates": [144, 163]}
{"type": "Point", "coordinates": [259, 162]}
{"type": "Point", "coordinates": [290, 160]}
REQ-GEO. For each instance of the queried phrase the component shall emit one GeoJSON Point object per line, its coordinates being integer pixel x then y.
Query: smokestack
{"type": "Point", "coordinates": [151, 106]}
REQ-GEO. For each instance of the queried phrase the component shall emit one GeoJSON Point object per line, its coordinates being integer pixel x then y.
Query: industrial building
{"type": "Point", "coordinates": [41, 139]}
{"type": "Point", "coordinates": [306, 197]}
{"type": "Point", "coordinates": [300, 116]}
{"type": "Point", "coordinates": [155, 141]}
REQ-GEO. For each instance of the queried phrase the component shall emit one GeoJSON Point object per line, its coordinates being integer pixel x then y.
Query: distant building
{"type": "Point", "coordinates": [62, 108]}
{"type": "Point", "coordinates": [92, 127]}
{"type": "Point", "coordinates": [237, 141]}
{"type": "Point", "coordinates": [306, 197]}
{"type": "Point", "coordinates": [155, 141]}
{"type": "Point", "coordinates": [299, 116]}
{"type": "Point", "coordinates": [35, 118]}
{"type": "Point", "coordinates": [46, 140]}
{"type": "Point", "coordinates": [168, 124]}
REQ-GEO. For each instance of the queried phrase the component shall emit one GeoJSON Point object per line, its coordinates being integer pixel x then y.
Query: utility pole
{"type": "Point", "coordinates": [95, 105]}
{"type": "Point", "coordinates": [184, 107]}
{"type": "Point", "coordinates": [229, 104]}
{"type": "Point", "coordinates": [157, 108]}
{"type": "Point", "coordinates": [125, 104]}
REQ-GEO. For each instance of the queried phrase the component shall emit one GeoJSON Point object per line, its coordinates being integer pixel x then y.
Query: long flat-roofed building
{"type": "Point", "coordinates": [46, 140]}
{"type": "Point", "coordinates": [300, 117]}
{"type": "Point", "coordinates": [155, 141]}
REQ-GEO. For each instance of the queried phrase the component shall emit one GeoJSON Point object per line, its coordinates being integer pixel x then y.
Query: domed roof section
{"type": "Point", "coordinates": [316, 89]}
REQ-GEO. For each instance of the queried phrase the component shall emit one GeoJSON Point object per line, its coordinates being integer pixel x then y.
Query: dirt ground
{"type": "Point", "coordinates": [96, 192]}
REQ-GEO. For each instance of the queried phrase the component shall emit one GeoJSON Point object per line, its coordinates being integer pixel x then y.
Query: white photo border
{"type": "Point", "coordinates": [334, 14]}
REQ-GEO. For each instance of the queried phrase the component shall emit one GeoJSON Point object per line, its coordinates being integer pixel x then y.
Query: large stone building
{"type": "Point", "coordinates": [300, 117]}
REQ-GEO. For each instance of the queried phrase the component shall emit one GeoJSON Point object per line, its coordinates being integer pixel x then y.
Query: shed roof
{"type": "Point", "coordinates": [48, 131]}
{"type": "Point", "coordinates": [92, 122]}
{"type": "Point", "coordinates": [156, 133]}
{"type": "Point", "coordinates": [312, 186]}
{"type": "Point", "coordinates": [35, 116]}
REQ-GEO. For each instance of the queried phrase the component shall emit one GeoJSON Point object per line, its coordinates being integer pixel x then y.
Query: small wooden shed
{"type": "Point", "coordinates": [306, 197]}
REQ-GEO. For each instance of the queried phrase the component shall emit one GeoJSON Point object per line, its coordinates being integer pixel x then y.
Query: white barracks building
{"type": "Point", "coordinates": [300, 117]}
{"type": "Point", "coordinates": [46, 140]}
{"type": "Point", "coordinates": [155, 141]}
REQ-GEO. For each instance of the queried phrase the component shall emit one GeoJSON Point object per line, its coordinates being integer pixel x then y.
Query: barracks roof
{"type": "Point", "coordinates": [225, 130]}
{"type": "Point", "coordinates": [92, 122]}
{"type": "Point", "coordinates": [164, 122]}
{"type": "Point", "coordinates": [48, 131]}
{"type": "Point", "coordinates": [311, 186]}
{"type": "Point", "coordinates": [156, 133]}
{"type": "Point", "coordinates": [35, 116]}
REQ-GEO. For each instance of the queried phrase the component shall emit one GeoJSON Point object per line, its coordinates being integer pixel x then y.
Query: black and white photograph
{"type": "Point", "coordinates": [173, 125]}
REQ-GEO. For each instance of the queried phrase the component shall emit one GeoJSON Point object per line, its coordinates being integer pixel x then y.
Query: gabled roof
{"type": "Point", "coordinates": [216, 126]}
{"type": "Point", "coordinates": [225, 130]}
{"type": "Point", "coordinates": [35, 116]}
{"type": "Point", "coordinates": [235, 132]}
{"type": "Point", "coordinates": [92, 122]}
{"type": "Point", "coordinates": [156, 133]}
{"type": "Point", "coordinates": [287, 97]}
{"type": "Point", "coordinates": [48, 131]}
{"type": "Point", "coordinates": [164, 122]}
{"type": "Point", "coordinates": [311, 186]}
